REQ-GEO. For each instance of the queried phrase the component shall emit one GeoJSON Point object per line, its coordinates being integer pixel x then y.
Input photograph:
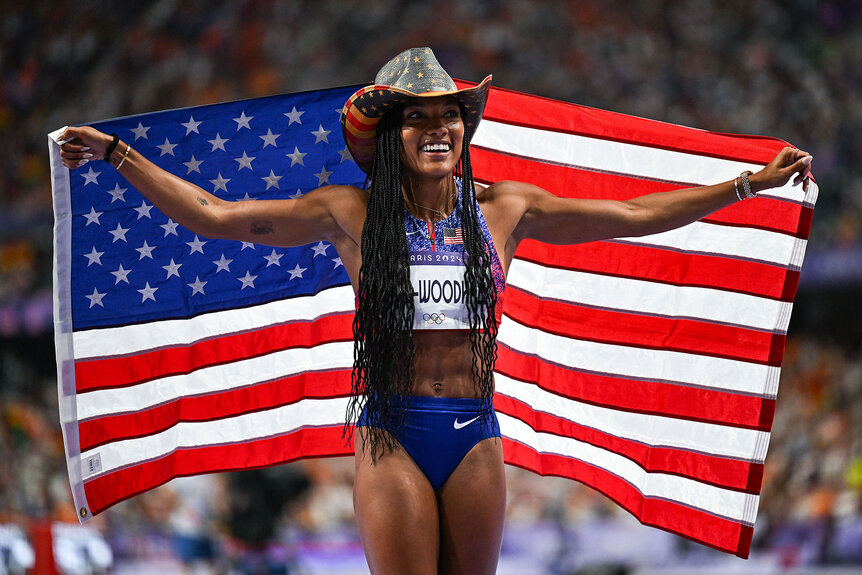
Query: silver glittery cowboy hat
{"type": "Point", "coordinates": [414, 73]}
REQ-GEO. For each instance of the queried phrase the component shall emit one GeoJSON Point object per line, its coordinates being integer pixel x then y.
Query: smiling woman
{"type": "Point", "coordinates": [426, 251]}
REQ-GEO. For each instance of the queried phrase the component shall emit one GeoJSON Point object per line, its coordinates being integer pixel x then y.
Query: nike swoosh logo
{"type": "Point", "coordinates": [459, 425]}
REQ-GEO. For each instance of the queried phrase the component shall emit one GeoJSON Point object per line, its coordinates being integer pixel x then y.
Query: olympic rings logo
{"type": "Point", "coordinates": [434, 318]}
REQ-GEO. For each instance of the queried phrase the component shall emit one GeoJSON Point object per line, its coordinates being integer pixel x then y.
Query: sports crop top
{"type": "Point", "coordinates": [437, 269]}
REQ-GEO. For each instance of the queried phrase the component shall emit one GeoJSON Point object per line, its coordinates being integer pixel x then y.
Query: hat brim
{"type": "Point", "coordinates": [363, 111]}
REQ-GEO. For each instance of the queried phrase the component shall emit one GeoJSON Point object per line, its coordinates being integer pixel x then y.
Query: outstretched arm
{"type": "Point", "coordinates": [555, 220]}
{"type": "Point", "coordinates": [271, 222]}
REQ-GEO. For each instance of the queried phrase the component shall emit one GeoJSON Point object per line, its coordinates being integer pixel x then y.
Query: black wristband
{"type": "Point", "coordinates": [111, 147]}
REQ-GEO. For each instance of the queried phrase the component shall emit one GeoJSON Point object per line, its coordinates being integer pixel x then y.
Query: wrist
{"type": "Point", "coordinates": [120, 154]}
{"type": "Point", "coordinates": [758, 183]}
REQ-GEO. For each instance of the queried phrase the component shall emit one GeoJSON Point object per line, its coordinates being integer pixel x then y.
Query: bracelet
{"type": "Point", "coordinates": [736, 189]}
{"type": "Point", "coordinates": [128, 148]}
{"type": "Point", "coordinates": [115, 139]}
{"type": "Point", "coordinates": [746, 185]}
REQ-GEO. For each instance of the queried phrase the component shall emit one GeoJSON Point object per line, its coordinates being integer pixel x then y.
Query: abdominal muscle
{"type": "Point", "coordinates": [443, 364]}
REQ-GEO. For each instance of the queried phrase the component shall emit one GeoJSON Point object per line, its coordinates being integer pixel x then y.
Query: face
{"type": "Point", "coordinates": [432, 134]}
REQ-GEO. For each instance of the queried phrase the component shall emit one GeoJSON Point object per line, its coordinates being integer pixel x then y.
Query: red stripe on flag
{"type": "Point", "coordinates": [763, 213]}
{"type": "Point", "coordinates": [110, 488]}
{"type": "Point", "coordinates": [113, 372]}
{"type": "Point", "coordinates": [717, 532]}
{"type": "Point", "coordinates": [544, 113]}
{"type": "Point", "coordinates": [649, 397]}
{"type": "Point", "coordinates": [720, 471]}
{"type": "Point", "coordinates": [644, 331]}
{"type": "Point", "coordinates": [267, 395]}
{"type": "Point", "coordinates": [666, 266]}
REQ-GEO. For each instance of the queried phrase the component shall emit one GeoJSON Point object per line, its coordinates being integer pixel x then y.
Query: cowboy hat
{"type": "Point", "coordinates": [414, 73]}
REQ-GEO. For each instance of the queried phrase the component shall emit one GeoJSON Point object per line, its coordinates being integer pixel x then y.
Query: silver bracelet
{"type": "Point", "coordinates": [736, 189]}
{"type": "Point", "coordinates": [128, 149]}
{"type": "Point", "coordinates": [746, 185]}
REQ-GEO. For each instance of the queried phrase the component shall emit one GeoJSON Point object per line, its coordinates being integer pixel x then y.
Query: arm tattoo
{"type": "Point", "coordinates": [261, 227]}
{"type": "Point", "coordinates": [203, 202]}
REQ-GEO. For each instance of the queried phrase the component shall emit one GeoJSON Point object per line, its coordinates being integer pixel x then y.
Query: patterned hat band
{"type": "Point", "coordinates": [414, 73]}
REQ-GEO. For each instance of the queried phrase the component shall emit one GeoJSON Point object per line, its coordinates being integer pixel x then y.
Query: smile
{"type": "Point", "coordinates": [435, 148]}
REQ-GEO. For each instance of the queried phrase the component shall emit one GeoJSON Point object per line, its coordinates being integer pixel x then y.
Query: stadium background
{"type": "Point", "coordinates": [790, 69]}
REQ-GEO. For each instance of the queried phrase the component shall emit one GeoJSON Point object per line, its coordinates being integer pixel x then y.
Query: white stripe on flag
{"type": "Point", "coordinates": [650, 298]}
{"type": "Point", "coordinates": [247, 427]}
{"type": "Point", "coordinates": [128, 339]}
{"type": "Point", "coordinates": [649, 429]}
{"type": "Point", "coordinates": [650, 364]}
{"type": "Point", "coordinates": [223, 377]}
{"type": "Point", "coordinates": [726, 503]}
{"type": "Point", "coordinates": [636, 160]}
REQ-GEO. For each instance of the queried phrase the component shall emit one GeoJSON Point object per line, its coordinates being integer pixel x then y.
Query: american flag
{"type": "Point", "coordinates": [452, 236]}
{"type": "Point", "coordinates": [646, 368]}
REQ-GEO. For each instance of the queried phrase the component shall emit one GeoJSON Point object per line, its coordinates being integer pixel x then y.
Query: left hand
{"type": "Point", "coordinates": [785, 164]}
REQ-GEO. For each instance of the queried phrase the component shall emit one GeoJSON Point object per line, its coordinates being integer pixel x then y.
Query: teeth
{"type": "Point", "coordinates": [435, 148]}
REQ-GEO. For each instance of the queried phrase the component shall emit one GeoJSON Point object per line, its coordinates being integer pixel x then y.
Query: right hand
{"type": "Point", "coordinates": [85, 144]}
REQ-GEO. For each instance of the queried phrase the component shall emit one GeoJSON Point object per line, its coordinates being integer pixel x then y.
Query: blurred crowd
{"type": "Point", "coordinates": [790, 69]}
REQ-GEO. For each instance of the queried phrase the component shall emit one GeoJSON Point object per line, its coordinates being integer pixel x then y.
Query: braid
{"type": "Point", "coordinates": [481, 291]}
{"type": "Point", "coordinates": [383, 325]}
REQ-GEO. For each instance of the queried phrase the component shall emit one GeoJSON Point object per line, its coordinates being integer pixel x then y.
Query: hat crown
{"type": "Point", "coordinates": [415, 70]}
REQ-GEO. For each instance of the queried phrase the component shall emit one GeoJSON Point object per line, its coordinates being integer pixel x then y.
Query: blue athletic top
{"type": "Point", "coordinates": [437, 269]}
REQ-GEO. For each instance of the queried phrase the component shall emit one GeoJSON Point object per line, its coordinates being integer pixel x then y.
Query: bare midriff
{"type": "Point", "coordinates": [443, 365]}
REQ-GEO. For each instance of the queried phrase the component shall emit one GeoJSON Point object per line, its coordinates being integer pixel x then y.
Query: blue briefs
{"type": "Point", "coordinates": [439, 431]}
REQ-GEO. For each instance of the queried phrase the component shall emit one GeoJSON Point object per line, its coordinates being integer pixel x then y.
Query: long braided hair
{"type": "Point", "coordinates": [384, 349]}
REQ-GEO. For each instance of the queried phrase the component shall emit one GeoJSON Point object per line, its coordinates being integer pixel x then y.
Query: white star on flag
{"type": "Point", "coordinates": [121, 275]}
{"type": "Point", "coordinates": [147, 293]}
{"type": "Point", "coordinates": [91, 177]}
{"type": "Point", "coordinates": [117, 193]}
{"type": "Point", "coordinates": [345, 155]}
{"type": "Point", "coordinates": [193, 165]}
{"type": "Point", "coordinates": [119, 233]}
{"type": "Point", "coordinates": [197, 286]}
{"type": "Point", "coordinates": [320, 135]}
{"type": "Point", "coordinates": [96, 298]}
{"type": "Point", "coordinates": [320, 249]}
{"type": "Point", "coordinates": [323, 176]}
{"type": "Point", "coordinates": [269, 139]}
{"type": "Point", "coordinates": [141, 132]}
{"type": "Point", "coordinates": [296, 157]}
{"type": "Point", "coordinates": [93, 217]}
{"type": "Point", "coordinates": [248, 245]}
{"type": "Point", "coordinates": [296, 272]}
{"type": "Point", "coordinates": [145, 250]}
{"type": "Point", "coordinates": [196, 246]}
{"type": "Point", "coordinates": [337, 262]}
{"type": "Point", "coordinates": [144, 210]}
{"type": "Point", "coordinates": [218, 143]}
{"type": "Point", "coordinates": [297, 195]}
{"type": "Point", "coordinates": [222, 264]}
{"type": "Point", "coordinates": [247, 280]}
{"type": "Point", "coordinates": [220, 183]}
{"type": "Point", "coordinates": [244, 161]}
{"type": "Point", "coordinates": [191, 126]}
{"type": "Point", "coordinates": [167, 148]}
{"type": "Point", "coordinates": [272, 180]}
{"type": "Point", "coordinates": [294, 116]}
{"type": "Point", "coordinates": [242, 121]}
{"type": "Point", "coordinates": [271, 260]}
{"type": "Point", "coordinates": [170, 228]}
{"type": "Point", "coordinates": [172, 268]}
{"type": "Point", "coordinates": [95, 257]}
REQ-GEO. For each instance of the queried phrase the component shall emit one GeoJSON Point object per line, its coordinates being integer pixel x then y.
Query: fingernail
{"type": "Point", "coordinates": [88, 155]}
{"type": "Point", "coordinates": [85, 149]}
{"type": "Point", "coordinates": [82, 162]}
{"type": "Point", "coordinates": [807, 160]}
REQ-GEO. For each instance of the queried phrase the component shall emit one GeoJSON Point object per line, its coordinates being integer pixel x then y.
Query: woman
{"type": "Point", "coordinates": [429, 493]}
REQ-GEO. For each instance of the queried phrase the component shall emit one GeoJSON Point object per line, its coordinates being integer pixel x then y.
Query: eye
{"type": "Point", "coordinates": [453, 113]}
{"type": "Point", "coordinates": [413, 115]}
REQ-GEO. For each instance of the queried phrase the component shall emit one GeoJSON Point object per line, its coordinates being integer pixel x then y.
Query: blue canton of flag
{"type": "Point", "coordinates": [131, 263]}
